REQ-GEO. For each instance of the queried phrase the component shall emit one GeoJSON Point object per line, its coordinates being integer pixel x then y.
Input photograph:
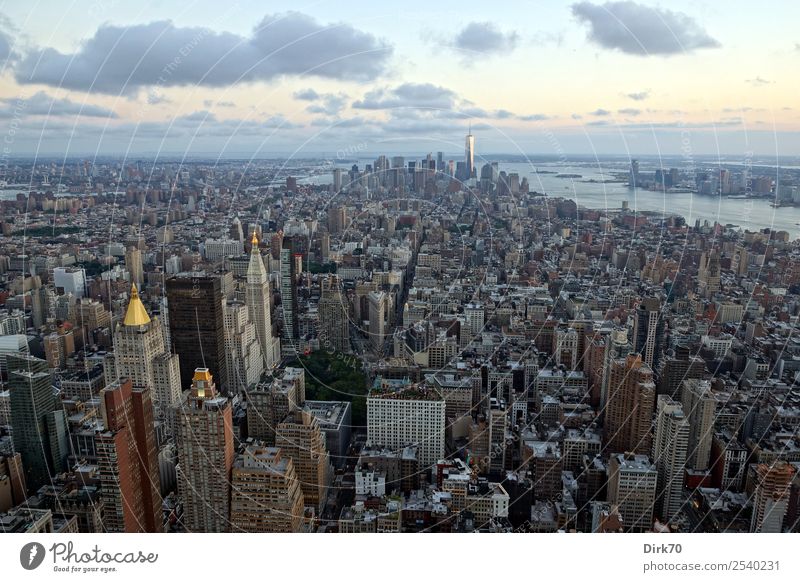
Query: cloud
{"type": "Point", "coordinates": [154, 97]}
{"type": "Point", "coordinates": [641, 30]}
{"type": "Point", "coordinates": [629, 111]}
{"type": "Point", "coordinates": [757, 82]}
{"type": "Point", "coordinates": [484, 38]}
{"type": "Point", "coordinates": [323, 103]}
{"type": "Point", "coordinates": [600, 112]}
{"type": "Point", "coordinates": [211, 103]}
{"type": "Point", "coordinates": [535, 117]}
{"type": "Point", "coordinates": [122, 59]}
{"type": "Point", "coordinates": [41, 103]}
{"type": "Point", "coordinates": [423, 95]}
{"type": "Point", "coordinates": [639, 95]}
{"type": "Point", "coordinates": [306, 95]}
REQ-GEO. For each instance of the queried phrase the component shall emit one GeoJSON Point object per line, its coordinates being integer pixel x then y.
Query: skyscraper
{"type": "Point", "coordinates": [265, 492]}
{"type": "Point", "coordinates": [205, 455]}
{"type": "Point", "coordinates": [377, 321]}
{"type": "Point", "coordinates": [773, 482]}
{"type": "Point", "coordinates": [197, 324]}
{"type": "Point", "coordinates": [289, 294]}
{"type": "Point", "coordinates": [37, 419]}
{"type": "Point", "coordinates": [258, 305]}
{"type": "Point", "coordinates": [334, 317]}
{"type": "Point", "coordinates": [128, 460]}
{"type": "Point", "coordinates": [141, 354]}
{"type": "Point", "coordinates": [629, 412]}
{"type": "Point", "coordinates": [632, 487]}
{"type": "Point", "coordinates": [648, 331]}
{"type": "Point", "coordinates": [469, 155]}
{"type": "Point", "coordinates": [244, 360]}
{"type": "Point", "coordinates": [669, 455]}
{"type": "Point", "coordinates": [700, 407]}
{"type": "Point", "coordinates": [299, 436]}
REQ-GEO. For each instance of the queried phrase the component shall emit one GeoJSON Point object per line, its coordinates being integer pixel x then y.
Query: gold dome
{"type": "Point", "coordinates": [136, 314]}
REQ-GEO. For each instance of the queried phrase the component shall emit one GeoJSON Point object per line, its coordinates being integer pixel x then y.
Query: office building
{"type": "Point", "coordinates": [266, 496]}
{"type": "Point", "coordinates": [127, 458]}
{"type": "Point", "coordinates": [669, 455]}
{"type": "Point", "coordinates": [258, 305]}
{"type": "Point", "coordinates": [631, 402]}
{"type": "Point", "coordinates": [197, 324]}
{"type": "Point", "coordinates": [632, 482]}
{"type": "Point", "coordinates": [205, 455]}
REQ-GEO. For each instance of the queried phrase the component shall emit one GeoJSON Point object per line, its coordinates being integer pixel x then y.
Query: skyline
{"type": "Point", "coordinates": [147, 79]}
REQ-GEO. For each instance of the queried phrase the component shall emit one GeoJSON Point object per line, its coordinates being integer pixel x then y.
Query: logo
{"type": "Point", "coordinates": [31, 555]}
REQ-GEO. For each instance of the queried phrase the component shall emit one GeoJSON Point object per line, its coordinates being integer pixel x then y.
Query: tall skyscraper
{"type": "Point", "coordinates": [133, 262]}
{"type": "Point", "coordinates": [258, 304]}
{"type": "Point", "coordinates": [469, 155]}
{"type": "Point", "coordinates": [700, 407]}
{"type": "Point", "coordinates": [632, 483]}
{"type": "Point", "coordinates": [631, 401]}
{"type": "Point", "coordinates": [141, 354]}
{"type": "Point", "coordinates": [197, 324]}
{"type": "Point", "coordinates": [669, 455]}
{"type": "Point", "coordinates": [334, 317]}
{"type": "Point", "coordinates": [648, 331]}
{"type": "Point", "coordinates": [205, 455]}
{"type": "Point", "coordinates": [37, 419]}
{"type": "Point", "coordinates": [127, 457]}
{"type": "Point", "coordinates": [244, 360]}
{"type": "Point", "coordinates": [266, 496]}
{"type": "Point", "coordinates": [289, 308]}
{"type": "Point", "coordinates": [771, 500]}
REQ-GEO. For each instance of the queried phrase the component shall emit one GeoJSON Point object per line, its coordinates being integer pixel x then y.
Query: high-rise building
{"type": "Point", "coordinates": [300, 437]}
{"type": "Point", "coordinates": [771, 500]}
{"type": "Point", "coordinates": [413, 416]}
{"type": "Point", "coordinates": [244, 361]}
{"type": "Point", "coordinates": [616, 346]}
{"type": "Point", "coordinates": [669, 455]}
{"type": "Point", "coordinates": [197, 324]}
{"type": "Point", "coordinates": [133, 262]}
{"type": "Point", "coordinates": [289, 307]}
{"type": "Point", "coordinates": [700, 407]}
{"type": "Point", "coordinates": [648, 331]}
{"type": "Point", "coordinates": [127, 458]}
{"type": "Point", "coordinates": [205, 455]}
{"type": "Point", "coordinates": [469, 155]}
{"type": "Point", "coordinates": [258, 304]}
{"type": "Point", "coordinates": [266, 496]}
{"type": "Point", "coordinates": [141, 354]}
{"type": "Point", "coordinates": [377, 320]}
{"type": "Point", "coordinates": [337, 219]}
{"type": "Point", "coordinates": [334, 317]}
{"type": "Point", "coordinates": [629, 411]}
{"type": "Point", "coordinates": [709, 273]}
{"type": "Point", "coordinates": [38, 421]}
{"type": "Point", "coordinates": [632, 481]}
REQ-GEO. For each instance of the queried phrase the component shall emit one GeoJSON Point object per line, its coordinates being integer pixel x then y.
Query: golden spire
{"type": "Point", "coordinates": [136, 314]}
{"type": "Point", "coordinates": [254, 241]}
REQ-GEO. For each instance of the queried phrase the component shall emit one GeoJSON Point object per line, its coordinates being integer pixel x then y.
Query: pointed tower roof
{"type": "Point", "coordinates": [255, 269]}
{"type": "Point", "coordinates": [136, 314]}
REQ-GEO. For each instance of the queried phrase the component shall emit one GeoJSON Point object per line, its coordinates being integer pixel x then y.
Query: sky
{"type": "Point", "coordinates": [245, 78]}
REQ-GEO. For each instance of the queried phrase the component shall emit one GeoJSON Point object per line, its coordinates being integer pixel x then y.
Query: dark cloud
{"type": "Point", "coordinates": [41, 103]}
{"type": "Point", "coordinates": [122, 59]}
{"type": "Point", "coordinates": [637, 29]}
{"type": "Point", "coordinates": [600, 112]}
{"type": "Point", "coordinates": [639, 95]}
{"type": "Point", "coordinates": [423, 95]}
{"type": "Point", "coordinates": [485, 38]}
